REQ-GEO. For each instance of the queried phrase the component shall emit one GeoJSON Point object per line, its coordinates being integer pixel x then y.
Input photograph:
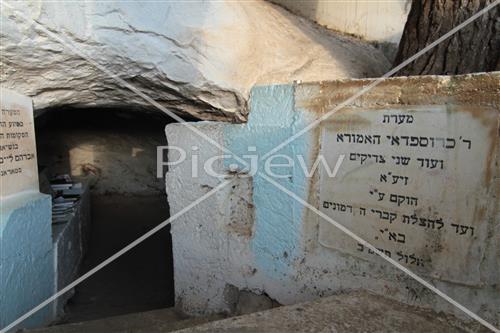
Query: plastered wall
{"type": "Point", "coordinates": [381, 21]}
{"type": "Point", "coordinates": [26, 257]}
{"type": "Point", "coordinates": [284, 253]}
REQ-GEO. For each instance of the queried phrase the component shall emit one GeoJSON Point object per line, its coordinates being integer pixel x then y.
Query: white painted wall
{"type": "Point", "coordinates": [380, 21]}
{"type": "Point", "coordinates": [281, 255]}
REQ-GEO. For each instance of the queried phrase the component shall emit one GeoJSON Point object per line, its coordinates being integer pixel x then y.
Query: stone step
{"type": "Point", "coordinates": [156, 321]}
{"type": "Point", "coordinates": [354, 312]}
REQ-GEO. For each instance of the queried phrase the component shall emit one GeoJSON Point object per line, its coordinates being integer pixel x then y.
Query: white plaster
{"type": "Point", "coordinates": [210, 259]}
{"type": "Point", "coordinates": [381, 21]}
{"type": "Point", "coordinates": [195, 238]}
{"type": "Point", "coordinates": [196, 58]}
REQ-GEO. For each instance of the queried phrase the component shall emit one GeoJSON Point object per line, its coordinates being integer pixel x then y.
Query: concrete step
{"type": "Point", "coordinates": [355, 312]}
{"type": "Point", "coordinates": [156, 321]}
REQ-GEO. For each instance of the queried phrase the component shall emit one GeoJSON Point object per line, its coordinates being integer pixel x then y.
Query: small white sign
{"type": "Point", "coordinates": [18, 162]}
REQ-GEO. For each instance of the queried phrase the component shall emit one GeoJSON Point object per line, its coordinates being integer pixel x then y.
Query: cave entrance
{"type": "Point", "coordinates": [113, 152]}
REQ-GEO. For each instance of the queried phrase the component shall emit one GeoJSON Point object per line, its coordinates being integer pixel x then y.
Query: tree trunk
{"type": "Point", "coordinates": [475, 48]}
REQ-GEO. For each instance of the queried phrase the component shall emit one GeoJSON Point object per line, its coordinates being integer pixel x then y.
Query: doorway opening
{"type": "Point", "coordinates": [113, 152]}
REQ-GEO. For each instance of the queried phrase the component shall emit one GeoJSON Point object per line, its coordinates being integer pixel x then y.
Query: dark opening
{"type": "Point", "coordinates": [114, 152]}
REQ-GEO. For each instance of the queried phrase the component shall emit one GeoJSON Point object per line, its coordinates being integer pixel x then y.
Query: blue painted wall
{"type": "Point", "coordinates": [26, 258]}
{"type": "Point", "coordinates": [276, 242]}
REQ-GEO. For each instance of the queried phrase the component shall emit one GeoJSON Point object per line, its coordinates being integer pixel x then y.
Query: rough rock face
{"type": "Point", "coordinates": [199, 59]}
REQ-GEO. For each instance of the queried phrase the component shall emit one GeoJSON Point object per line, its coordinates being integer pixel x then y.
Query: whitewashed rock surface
{"type": "Point", "coordinates": [198, 59]}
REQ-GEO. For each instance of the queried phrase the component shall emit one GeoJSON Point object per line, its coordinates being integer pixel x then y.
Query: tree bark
{"type": "Point", "coordinates": [475, 48]}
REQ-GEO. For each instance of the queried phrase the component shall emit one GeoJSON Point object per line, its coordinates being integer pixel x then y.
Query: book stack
{"type": "Point", "coordinates": [65, 197]}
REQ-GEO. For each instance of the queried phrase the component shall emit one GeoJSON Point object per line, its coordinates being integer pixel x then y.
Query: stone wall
{"type": "Point", "coordinates": [103, 147]}
{"type": "Point", "coordinates": [289, 253]}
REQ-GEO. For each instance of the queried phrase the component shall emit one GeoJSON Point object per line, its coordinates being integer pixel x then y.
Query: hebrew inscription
{"type": "Point", "coordinates": [415, 183]}
{"type": "Point", "coordinates": [18, 163]}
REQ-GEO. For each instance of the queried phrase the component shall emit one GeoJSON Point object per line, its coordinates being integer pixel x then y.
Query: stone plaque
{"type": "Point", "coordinates": [415, 183]}
{"type": "Point", "coordinates": [18, 164]}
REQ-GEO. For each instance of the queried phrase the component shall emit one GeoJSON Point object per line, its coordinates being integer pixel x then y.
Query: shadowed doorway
{"type": "Point", "coordinates": [114, 153]}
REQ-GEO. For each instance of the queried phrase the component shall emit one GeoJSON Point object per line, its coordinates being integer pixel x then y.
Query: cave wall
{"type": "Point", "coordinates": [103, 147]}
{"type": "Point", "coordinates": [196, 59]}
